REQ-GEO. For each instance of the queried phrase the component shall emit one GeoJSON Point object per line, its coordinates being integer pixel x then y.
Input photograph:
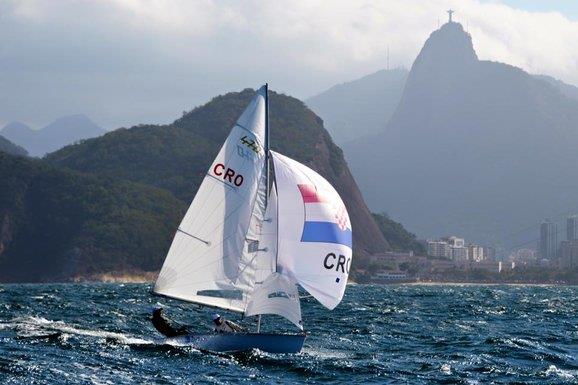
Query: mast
{"type": "Point", "coordinates": [267, 143]}
{"type": "Point", "coordinates": [267, 188]}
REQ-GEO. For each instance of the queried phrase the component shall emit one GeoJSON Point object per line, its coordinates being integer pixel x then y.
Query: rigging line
{"type": "Point", "coordinates": [197, 238]}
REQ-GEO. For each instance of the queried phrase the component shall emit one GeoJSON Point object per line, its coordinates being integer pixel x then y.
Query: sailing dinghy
{"type": "Point", "coordinates": [249, 239]}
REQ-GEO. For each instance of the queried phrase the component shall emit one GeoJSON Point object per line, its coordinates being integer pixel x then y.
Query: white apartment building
{"type": "Point", "coordinates": [439, 249]}
{"type": "Point", "coordinates": [455, 248]}
{"type": "Point", "coordinates": [475, 253]}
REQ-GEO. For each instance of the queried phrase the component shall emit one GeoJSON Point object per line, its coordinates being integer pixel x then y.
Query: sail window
{"type": "Point", "coordinates": [278, 294]}
{"type": "Point", "coordinates": [228, 294]}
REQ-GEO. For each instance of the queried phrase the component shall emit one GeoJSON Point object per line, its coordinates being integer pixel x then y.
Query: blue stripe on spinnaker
{"type": "Point", "coordinates": [327, 232]}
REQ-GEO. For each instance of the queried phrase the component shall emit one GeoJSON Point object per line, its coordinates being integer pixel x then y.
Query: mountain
{"type": "Point", "coordinates": [59, 133]}
{"type": "Point", "coordinates": [398, 237]}
{"type": "Point", "coordinates": [60, 225]}
{"type": "Point", "coordinates": [475, 148]}
{"type": "Point", "coordinates": [360, 107]}
{"type": "Point", "coordinates": [11, 148]}
{"type": "Point", "coordinates": [175, 157]}
{"type": "Point", "coordinates": [567, 89]}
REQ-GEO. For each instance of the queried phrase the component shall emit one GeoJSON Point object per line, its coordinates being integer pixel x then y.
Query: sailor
{"type": "Point", "coordinates": [164, 326]}
{"type": "Point", "coordinates": [225, 326]}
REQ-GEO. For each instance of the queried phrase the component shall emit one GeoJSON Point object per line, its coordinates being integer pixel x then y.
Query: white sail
{"type": "Point", "coordinates": [273, 293]}
{"type": "Point", "coordinates": [266, 258]}
{"type": "Point", "coordinates": [210, 259]}
{"type": "Point", "coordinates": [277, 295]}
{"type": "Point", "coordinates": [315, 239]}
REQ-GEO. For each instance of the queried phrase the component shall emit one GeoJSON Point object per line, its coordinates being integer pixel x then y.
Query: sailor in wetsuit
{"type": "Point", "coordinates": [225, 326]}
{"type": "Point", "coordinates": [164, 326]}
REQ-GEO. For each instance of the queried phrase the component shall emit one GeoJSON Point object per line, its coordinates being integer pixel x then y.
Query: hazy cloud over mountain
{"type": "Point", "coordinates": [123, 62]}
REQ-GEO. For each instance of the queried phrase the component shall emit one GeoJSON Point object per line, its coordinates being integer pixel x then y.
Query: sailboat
{"type": "Point", "coordinates": [252, 235]}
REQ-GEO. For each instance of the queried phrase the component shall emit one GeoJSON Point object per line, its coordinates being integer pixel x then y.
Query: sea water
{"type": "Point", "coordinates": [406, 334]}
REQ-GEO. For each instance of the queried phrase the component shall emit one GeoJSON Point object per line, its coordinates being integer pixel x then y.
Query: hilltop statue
{"type": "Point", "coordinates": [450, 13]}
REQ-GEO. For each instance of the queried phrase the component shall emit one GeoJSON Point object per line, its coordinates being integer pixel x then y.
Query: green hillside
{"type": "Point", "coordinates": [58, 225]}
{"type": "Point", "coordinates": [175, 157]}
{"type": "Point", "coordinates": [398, 237]}
{"type": "Point", "coordinates": [11, 148]}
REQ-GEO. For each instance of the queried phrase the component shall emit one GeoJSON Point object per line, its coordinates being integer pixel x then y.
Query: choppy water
{"type": "Point", "coordinates": [100, 334]}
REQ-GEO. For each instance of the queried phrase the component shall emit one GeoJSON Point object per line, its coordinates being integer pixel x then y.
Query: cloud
{"type": "Point", "coordinates": [125, 61]}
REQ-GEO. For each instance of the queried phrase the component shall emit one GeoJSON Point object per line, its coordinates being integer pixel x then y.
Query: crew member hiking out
{"type": "Point", "coordinates": [165, 327]}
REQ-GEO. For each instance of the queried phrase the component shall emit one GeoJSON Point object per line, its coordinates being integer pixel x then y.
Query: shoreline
{"type": "Point", "coordinates": [485, 284]}
{"type": "Point", "coordinates": [150, 278]}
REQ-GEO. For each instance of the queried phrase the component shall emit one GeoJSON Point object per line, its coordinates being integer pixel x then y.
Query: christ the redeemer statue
{"type": "Point", "coordinates": [450, 13]}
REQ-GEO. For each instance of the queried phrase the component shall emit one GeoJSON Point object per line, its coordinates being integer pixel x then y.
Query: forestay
{"type": "Point", "coordinates": [211, 258]}
{"type": "Point", "coordinates": [315, 238]}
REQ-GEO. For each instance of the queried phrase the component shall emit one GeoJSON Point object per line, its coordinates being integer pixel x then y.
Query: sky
{"type": "Point", "coordinates": [126, 62]}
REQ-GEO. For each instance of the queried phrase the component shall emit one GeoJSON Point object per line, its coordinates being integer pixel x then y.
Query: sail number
{"type": "Point", "coordinates": [251, 144]}
{"type": "Point", "coordinates": [332, 261]}
{"type": "Point", "coordinates": [228, 174]}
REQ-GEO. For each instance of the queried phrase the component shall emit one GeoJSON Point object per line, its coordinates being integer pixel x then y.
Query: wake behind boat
{"type": "Point", "coordinates": [248, 239]}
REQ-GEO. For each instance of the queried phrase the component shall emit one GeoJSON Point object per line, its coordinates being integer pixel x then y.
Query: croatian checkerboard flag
{"type": "Point", "coordinates": [314, 245]}
{"type": "Point", "coordinates": [326, 218]}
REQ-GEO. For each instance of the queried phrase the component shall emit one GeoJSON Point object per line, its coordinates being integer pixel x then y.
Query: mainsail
{"type": "Point", "coordinates": [210, 259]}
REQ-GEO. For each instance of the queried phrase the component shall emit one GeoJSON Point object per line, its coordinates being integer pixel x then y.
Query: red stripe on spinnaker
{"type": "Point", "coordinates": [310, 194]}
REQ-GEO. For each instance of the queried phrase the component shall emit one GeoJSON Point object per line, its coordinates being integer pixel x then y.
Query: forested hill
{"type": "Point", "coordinates": [58, 225]}
{"type": "Point", "coordinates": [11, 148]}
{"type": "Point", "coordinates": [175, 157]}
